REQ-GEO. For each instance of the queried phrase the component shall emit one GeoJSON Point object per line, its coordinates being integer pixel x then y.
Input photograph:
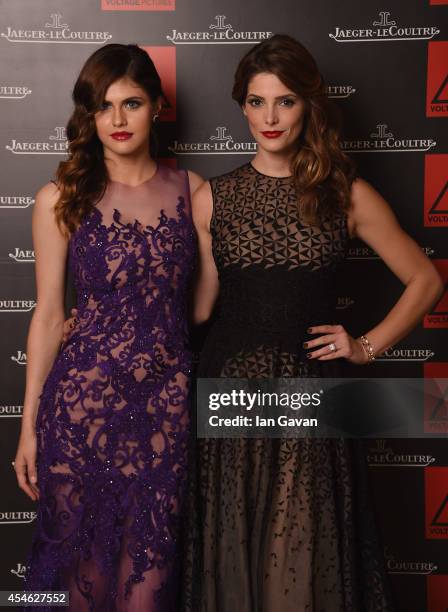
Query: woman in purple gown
{"type": "Point", "coordinates": [106, 418]}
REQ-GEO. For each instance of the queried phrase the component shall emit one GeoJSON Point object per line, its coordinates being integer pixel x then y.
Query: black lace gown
{"type": "Point", "coordinates": [276, 524]}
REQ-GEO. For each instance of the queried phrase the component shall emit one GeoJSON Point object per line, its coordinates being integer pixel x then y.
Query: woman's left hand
{"type": "Point", "coordinates": [335, 343]}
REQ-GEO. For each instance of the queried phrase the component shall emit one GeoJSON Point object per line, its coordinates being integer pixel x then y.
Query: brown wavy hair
{"type": "Point", "coordinates": [82, 178]}
{"type": "Point", "coordinates": [323, 173]}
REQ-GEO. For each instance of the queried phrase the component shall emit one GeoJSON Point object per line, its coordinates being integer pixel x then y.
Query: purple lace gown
{"type": "Point", "coordinates": [113, 421]}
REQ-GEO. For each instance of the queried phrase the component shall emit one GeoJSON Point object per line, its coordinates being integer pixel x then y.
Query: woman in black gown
{"type": "Point", "coordinates": [285, 524]}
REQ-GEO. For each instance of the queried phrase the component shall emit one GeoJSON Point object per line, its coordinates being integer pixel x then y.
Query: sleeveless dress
{"type": "Point", "coordinates": [113, 420]}
{"type": "Point", "coordinates": [276, 524]}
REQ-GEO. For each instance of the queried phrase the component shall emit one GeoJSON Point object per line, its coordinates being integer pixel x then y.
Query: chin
{"type": "Point", "coordinates": [124, 148]}
{"type": "Point", "coordinates": [273, 147]}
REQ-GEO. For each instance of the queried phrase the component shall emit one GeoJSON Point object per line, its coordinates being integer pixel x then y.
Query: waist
{"type": "Point", "coordinates": [128, 304]}
{"type": "Point", "coordinates": [275, 322]}
{"type": "Point", "coordinates": [154, 322]}
{"type": "Point", "coordinates": [275, 307]}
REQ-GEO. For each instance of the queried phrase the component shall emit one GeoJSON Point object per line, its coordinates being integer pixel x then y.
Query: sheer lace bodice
{"type": "Point", "coordinates": [277, 276]}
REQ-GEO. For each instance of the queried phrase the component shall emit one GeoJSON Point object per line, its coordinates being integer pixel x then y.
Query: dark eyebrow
{"type": "Point", "coordinates": [127, 99]}
{"type": "Point", "coordinates": [289, 95]}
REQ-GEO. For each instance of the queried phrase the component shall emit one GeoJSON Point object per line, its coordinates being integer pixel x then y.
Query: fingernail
{"type": "Point", "coordinates": [310, 330]}
{"type": "Point", "coordinates": [33, 479]}
{"type": "Point", "coordinates": [305, 345]}
{"type": "Point", "coordinates": [308, 355]}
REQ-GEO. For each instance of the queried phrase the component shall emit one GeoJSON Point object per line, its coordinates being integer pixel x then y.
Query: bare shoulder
{"type": "Point", "coordinates": [46, 197]}
{"type": "Point", "coordinates": [203, 195]}
{"type": "Point", "coordinates": [202, 206]}
{"type": "Point", "coordinates": [195, 181]}
{"type": "Point", "coordinates": [44, 218]}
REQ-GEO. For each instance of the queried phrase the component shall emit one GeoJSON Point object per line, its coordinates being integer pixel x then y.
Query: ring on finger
{"type": "Point", "coordinates": [332, 347]}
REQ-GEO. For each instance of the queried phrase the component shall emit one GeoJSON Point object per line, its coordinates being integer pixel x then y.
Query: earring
{"type": "Point", "coordinates": [155, 117]}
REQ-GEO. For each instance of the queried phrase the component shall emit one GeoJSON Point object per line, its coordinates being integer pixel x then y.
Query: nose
{"type": "Point", "coordinates": [271, 115]}
{"type": "Point", "coordinates": [118, 117]}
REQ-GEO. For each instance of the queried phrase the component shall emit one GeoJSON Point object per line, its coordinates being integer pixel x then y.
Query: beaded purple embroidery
{"type": "Point", "coordinates": [113, 421]}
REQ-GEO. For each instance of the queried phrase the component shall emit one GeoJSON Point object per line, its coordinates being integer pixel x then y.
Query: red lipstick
{"type": "Point", "coordinates": [274, 134]}
{"type": "Point", "coordinates": [121, 135]}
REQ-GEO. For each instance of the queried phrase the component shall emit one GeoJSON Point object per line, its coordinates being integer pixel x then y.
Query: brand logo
{"type": "Point", "coordinates": [383, 141]}
{"type": "Point", "coordinates": [438, 317]}
{"type": "Point", "coordinates": [14, 93]}
{"type": "Point", "coordinates": [436, 397]}
{"type": "Point", "coordinates": [16, 518]}
{"type": "Point", "coordinates": [21, 256]}
{"type": "Point", "coordinates": [55, 31]}
{"type": "Point", "coordinates": [17, 305]}
{"type": "Point", "coordinates": [164, 59]}
{"type": "Point", "coordinates": [384, 28]}
{"type": "Point", "coordinates": [436, 502]}
{"type": "Point", "coordinates": [436, 191]}
{"type": "Point", "coordinates": [20, 358]}
{"type": "Point", "coordinates": [382, 455]}
{"type": "Point", "coordinates": [55, 145]}
{"type": "Point", "coordinates": [218, 33]}
{"type": "Point", "coordinates": [437, 585]}
{"type": "Point", "coordinates": [10, 411]}
{"type": "Point", "coordinates": [437, 80]}
{"type": "Point", "coordinates": [406, 354]}
{"type": "Point", "coordinates": [220, 143]}
{"type": "Point", "coordinates": [16, 201]}
{"type": "Point", "coordinates": [428, 251]}
{"type": "Point", "coordinates": [20, 571]}
{"type": "Point", "coordinates": [138, 5]}
{"type": "Point", "coordinates": [395, 566]}
{"type": "Point", "coordinates": [365, 252]}
{"type": "Point", "coordinates": [344, 302]}
{"type": "Point", "coordinates": [340, 91]}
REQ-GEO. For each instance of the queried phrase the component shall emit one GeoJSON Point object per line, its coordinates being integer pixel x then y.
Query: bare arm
{"type": "Point", "coordinates": [373, 221]}
{"type": "Point", "coordinates": [207, 283]}
{"type": "Point", "coordinates": [45, 332]}
{"type": "Point", "coordinates": [377, 226]}
{"type": "Point", "coordinates": [195, 182]}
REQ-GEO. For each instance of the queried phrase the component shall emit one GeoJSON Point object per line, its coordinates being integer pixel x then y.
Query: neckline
{"type": "Point", "coordinates": [278, 178]}
{"type": "Point", "coordinates": [140, 184]}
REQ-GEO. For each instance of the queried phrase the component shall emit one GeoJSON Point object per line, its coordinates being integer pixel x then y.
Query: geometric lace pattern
{"type": "Point", "coordinates": [256, 221]}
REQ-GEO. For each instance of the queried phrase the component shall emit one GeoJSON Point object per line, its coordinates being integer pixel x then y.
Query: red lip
{"type": "Point", "coordinates": [272, 134]}
{"type": "Point", "coordinates": [121, 135]}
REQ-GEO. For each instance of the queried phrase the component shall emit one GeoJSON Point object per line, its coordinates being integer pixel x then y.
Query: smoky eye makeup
{"type": "Point", "coordinates": [133, 102]}
{"type": "Point", "coordinates": [254, 101]}
{"type": "Point", "coordinates": [288, 101]}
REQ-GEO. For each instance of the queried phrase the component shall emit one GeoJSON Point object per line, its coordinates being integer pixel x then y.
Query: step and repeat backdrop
{"type": "Point", "coordinates": [386, 66]}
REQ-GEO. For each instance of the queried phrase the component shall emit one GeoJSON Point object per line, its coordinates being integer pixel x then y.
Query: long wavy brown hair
{"type": "Point", "coordinates": [82, 178]}
{"type": "Point", "coordinates": [323, 173]}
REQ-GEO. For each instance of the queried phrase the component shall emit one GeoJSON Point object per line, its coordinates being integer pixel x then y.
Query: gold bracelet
{"type": "Point", "coordinates": [368, 348]}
